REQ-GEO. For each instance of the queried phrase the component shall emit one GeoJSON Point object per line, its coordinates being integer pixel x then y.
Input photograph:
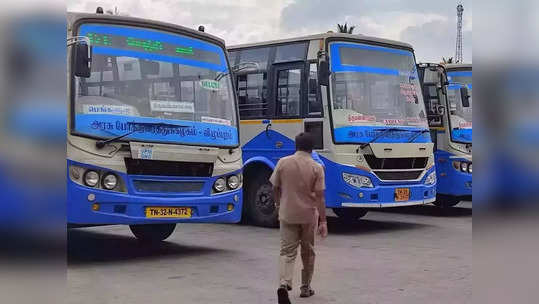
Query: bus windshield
{"type": "Point", "coordinates": [162, 86]}
{"type": "Point", "coordinates": [461, 117]}
{"type": "Point", "coordinates": [375, 88]}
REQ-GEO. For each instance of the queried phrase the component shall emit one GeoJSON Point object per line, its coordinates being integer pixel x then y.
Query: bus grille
{"type": "Point", "coordinates": [398, 175]}
{"type": "Point", "coordinates": [396, 163]}
{"type": "Point", "coordinates": [167, 168]}
{"type": "Point", "coordinates": [167, 186]}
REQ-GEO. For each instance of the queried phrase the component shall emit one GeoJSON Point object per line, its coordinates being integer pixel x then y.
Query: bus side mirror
{"type": "Point", "coordinates": [323, 73]}
{"type": "Point", "coordinates": [465, 97]}
{"type": "Point", "coordinates": [83, 59]}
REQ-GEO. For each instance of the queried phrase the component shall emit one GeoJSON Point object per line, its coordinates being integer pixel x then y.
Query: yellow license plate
{"type": "Point", "coordinates": [168, 212]}
{"type": "Point", "coordinates": [402, 194]}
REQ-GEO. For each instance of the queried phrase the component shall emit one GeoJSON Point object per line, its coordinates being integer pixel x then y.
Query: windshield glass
{"type": "Point", "coordinates": [461, 117]}
{"type": "Point", "coordinates": [375, 88]}
{"type": "Point", "coordinates": [161, 85]}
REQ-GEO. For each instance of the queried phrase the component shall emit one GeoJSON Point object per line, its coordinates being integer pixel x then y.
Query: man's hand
{"type": "Point", "coordinates": [323, 229]}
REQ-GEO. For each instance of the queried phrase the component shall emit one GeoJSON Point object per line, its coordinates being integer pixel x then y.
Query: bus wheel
{"type": "Point", "coordinates": [261, 209]}
{"type": "Point", "coordinates": [152, 233]}
{"type": "Point", "coordinates": [446, 201]}
{"type": "Point", "coordinates": [350, 214]}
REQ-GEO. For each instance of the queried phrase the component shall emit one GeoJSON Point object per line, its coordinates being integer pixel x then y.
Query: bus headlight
{"type": "Point", "coordinates": [219, 185]}
{"type": "Point", "coordinates": [431, 179]}
{"type": "Point", "coordinates": [357, 181]}
{"type": "Point", "coordinates": [110, 181]}
{"type": "Point", "coordinates": [470, 168]}
{"type": "Point", "coordinates": [233, 182]}
{"type": "Point", "coordinates": [91, 178]}
{"type": "Point", "coordinates": [462, 166]}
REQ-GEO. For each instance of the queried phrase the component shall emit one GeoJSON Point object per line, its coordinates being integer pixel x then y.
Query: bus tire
{"type": "Point", "coordinates": [260, 206]}
{"type": "Point", "coordinates": [446, 201]}
{"type": "Point", "coordinates": [152, 233]}
{"type": "Point", "coordinates": [350, 214]}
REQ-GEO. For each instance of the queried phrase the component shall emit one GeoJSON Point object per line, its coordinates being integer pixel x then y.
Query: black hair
{"type": "Point", "coordinates": [304, 142]}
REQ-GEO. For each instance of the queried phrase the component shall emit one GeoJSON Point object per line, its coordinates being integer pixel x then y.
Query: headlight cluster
{"type": "Point", "coordinates": [91, 178]}
{"type": "Point", "coordinates": [231, 182]}
{"type": "Point", "coordinates": [94, 178]}
{"type": "Point", "coordinates": [357, 181]}
{"type": "Point", "coordinates": [463, 166]}
{"type": "Point", "coordinates": [431, 179]}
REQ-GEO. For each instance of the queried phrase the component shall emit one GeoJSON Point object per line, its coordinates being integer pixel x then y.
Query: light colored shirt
{"type": "Point", "coordinates": [299, 177]}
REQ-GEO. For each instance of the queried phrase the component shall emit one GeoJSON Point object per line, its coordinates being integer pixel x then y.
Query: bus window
{"type": "Point", "coordinates": [288, 92]}
{"type": "Point", "coordinates": [291, 52]}
{"type": "Point", "coordinates": [252, 95]}
{"type": "Point", "coordinates": [314, 103]}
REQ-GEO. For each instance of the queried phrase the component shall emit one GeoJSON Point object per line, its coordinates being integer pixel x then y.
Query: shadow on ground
{"type": "Point", "coordinates": [86, 246]}
{"type": "Point", "coordinates": [365, 226]}
{"type": "Point", "coordinates": [430, 210]}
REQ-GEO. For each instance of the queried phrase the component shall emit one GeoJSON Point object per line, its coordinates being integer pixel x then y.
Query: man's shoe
{"type": "Point", "coordinates": [282, 295]}
{"type": "Point", "coordinates": [306, 292]}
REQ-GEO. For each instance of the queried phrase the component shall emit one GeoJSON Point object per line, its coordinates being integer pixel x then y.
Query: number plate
{"type": "Point", "coordinates": [168, 212]}
{"type": "Point", "coordinates": [402, 194]}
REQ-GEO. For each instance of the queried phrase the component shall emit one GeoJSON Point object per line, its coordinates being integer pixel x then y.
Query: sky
{"type": "Point", "coordinates": [429, 25]}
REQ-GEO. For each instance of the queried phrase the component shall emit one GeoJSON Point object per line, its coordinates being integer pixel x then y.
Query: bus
{"type": "Point", "coordinates": [359, 96]}
{"type": "Point", "coordinates": [447, 91]}
{"type": "Point", "coordinates": [152, 134]}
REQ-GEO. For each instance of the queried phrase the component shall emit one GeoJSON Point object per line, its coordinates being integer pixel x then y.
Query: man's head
{"type": "Point", "coordinates": [304, 142]}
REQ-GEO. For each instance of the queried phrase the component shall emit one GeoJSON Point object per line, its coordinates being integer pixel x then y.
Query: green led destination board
{"type": "Point", "coordinates": [152, 46]}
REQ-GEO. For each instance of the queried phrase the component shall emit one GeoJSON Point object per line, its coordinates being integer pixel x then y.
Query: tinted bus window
{"type": "Point", "coordinates": [291, 52]}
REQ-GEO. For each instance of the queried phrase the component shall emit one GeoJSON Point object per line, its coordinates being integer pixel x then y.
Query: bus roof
{"type": "Point", "coordinates": [74, 16]}
{"type": "Point", "coordinates": [458, 66]}
{"type": "Point", "coordinates": [359, 37]}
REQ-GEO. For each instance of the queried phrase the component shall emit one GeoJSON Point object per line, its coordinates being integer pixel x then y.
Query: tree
{"type": "Point", "coordinates": [345, 29]}
{"type": "Point", "coordinates": [448, 60]}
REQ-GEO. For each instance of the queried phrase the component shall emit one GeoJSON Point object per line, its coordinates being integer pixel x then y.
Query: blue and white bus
{"type": "Point", "coordinates": [361, 98]}
{"type": "Point", "coordinates": [152, 135]}
{"type": "Point", "coordinates": [447, 91]}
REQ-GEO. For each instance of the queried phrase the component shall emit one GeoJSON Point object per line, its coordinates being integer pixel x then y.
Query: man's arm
{"type": "Point", "coordinates": [275, 181]}
{"type": "Point", "coordinates": [277, 196]}
{"type": "Point", "coordinates": [321, 198]}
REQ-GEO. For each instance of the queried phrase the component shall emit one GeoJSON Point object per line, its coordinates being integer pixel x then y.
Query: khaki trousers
{"type": "Point", "coordinates": [293, 235]}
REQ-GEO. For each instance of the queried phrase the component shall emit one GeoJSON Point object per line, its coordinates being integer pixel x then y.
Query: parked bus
{"type": "Point", "coordinates": [152, 135]}
{"type": "Point", "coordinates": [360, 96]}
{"type": "Point", "coordinates": [447, 94]}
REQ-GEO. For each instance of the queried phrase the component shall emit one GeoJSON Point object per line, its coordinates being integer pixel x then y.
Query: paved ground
{"type": "Point", "coordinates": [410, 255]}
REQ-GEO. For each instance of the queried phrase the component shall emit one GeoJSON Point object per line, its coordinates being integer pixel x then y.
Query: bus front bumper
{"type": "Point", "coordinates": [111, 208]}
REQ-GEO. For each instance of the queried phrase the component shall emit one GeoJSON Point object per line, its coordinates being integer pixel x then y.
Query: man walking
{"type": "Point", "coordinates": [298, 187]}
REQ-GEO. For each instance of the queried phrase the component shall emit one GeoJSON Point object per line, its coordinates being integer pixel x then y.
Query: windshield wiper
{"type": "Point", "coordinates": [387, 130]}
{"type": "Point", "coordinates": [418, 132]}
{"type": "Point", "coordinates": [101, 143]}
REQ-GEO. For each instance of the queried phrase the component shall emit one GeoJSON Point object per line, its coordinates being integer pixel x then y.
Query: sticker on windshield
{"type": "Point", "coordinates": [108, 109]}
{"type": "Point", "coordinates": [214, 120]}
{"type": "Point", "coordinates": [145, 152]}
{"type": "Point", "coordinates": [357, 118]}
{"type": "Point", "coordinates": [210, 84]}
{"type": "Point", "coordinates": [393, 121]}
{"type": "Point", "coordinates": [465, 124]}
{"type": "Point", "coordinates": [408, 91]}
{"type": "Point", "coordinates": [172, 106]}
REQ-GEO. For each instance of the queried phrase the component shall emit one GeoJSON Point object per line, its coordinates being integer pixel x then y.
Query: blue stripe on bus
{"type": "Point", "coordinates": [363, 134]}
{"type": "Point", "coordinates": [462, 73]}
{"type": "Point", "coordinates": [157, 57]}
{"type": "Point", "coordinates": [107, 126]}
{"type": "Point", "coordinates": [462, 135]}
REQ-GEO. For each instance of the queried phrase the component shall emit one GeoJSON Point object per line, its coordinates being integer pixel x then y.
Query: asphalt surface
{"type": "Point", "coordinates": [404, 255]}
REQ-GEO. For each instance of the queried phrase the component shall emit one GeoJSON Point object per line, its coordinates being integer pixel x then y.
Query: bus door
{"type": "Point", "coordinates": [289, 99]}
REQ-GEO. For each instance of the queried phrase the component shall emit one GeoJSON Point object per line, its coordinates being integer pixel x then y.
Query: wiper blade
{"type": "Point", "coordinates": [417, 133]}
{"type": "Point", "coordinates": [384, 132]}
{"type": "Point", "coordinates": [101, 143]}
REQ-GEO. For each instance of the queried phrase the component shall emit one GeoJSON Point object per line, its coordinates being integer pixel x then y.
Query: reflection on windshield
{"type": "Point", "coordinates": [153, 76]}
{"type": "Point", "coordinates": [375, 86]}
